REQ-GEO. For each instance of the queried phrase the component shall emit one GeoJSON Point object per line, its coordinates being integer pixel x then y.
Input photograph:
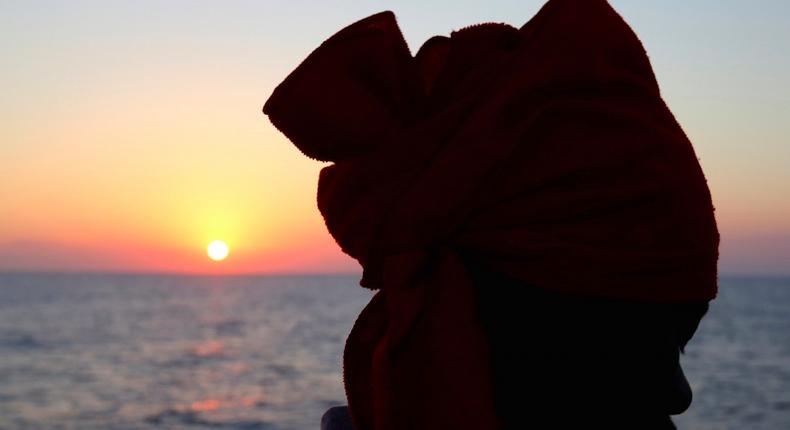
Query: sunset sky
{"type": "Point", "coordinates": [131, 133]}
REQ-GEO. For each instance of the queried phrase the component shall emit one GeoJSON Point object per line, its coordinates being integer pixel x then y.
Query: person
{"type": "Point", "coordinates": [533, 219]}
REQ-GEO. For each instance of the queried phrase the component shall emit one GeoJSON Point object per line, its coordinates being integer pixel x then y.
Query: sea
{"type": "Point", "coordinates": [108, 351]}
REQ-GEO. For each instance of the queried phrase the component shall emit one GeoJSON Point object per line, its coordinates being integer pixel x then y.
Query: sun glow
{"type": "Point", "coordinates": [217, 250]}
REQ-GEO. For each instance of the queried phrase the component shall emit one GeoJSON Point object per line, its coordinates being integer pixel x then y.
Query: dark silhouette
{"type": "Point", "coordinates": [535, 221]}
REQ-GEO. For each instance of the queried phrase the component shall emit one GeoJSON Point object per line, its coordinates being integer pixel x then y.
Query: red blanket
{"type": "Point", "coordinates": [546, 152]}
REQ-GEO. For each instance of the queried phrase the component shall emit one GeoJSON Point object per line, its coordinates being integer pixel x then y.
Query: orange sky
{"type": "Point", "coordinates": [132, 134]}
{"type": "Point", "coordinates": [144, 175]}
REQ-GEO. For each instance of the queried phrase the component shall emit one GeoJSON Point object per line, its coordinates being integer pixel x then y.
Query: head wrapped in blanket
{"type": "Point", "coordinates": [544, 151]}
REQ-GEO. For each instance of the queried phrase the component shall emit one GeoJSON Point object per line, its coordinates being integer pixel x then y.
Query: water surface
{"type": "Point", "coordinates": [180, 352]}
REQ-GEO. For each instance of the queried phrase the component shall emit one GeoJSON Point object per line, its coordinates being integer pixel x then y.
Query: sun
{"type": "Point", "coordinates": [217, 250]}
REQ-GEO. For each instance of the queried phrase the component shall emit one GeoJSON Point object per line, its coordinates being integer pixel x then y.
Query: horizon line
{"type": "Point", "coordinates": [170, 273]}
{"type": "Point", "coordinates": [53, 272]}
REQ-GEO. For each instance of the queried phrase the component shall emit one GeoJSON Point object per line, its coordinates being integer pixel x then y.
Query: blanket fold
{"type": "Point", "coordinates": [544, 151]}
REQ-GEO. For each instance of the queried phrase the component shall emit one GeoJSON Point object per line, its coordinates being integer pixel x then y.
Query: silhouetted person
{"type": "Point", "coordinates": [534, 220]}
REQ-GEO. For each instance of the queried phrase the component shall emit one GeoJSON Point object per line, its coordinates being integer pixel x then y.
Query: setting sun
{"type": "Point", "coordinates": [217, 250]}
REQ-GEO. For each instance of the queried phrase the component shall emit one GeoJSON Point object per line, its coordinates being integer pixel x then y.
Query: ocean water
{"type": "Point", "coordinates": [178, 352]}
{"type": "Point", "coordinates": [172, 352]}
{"type": "Point", "coordinates": [738, 363]}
